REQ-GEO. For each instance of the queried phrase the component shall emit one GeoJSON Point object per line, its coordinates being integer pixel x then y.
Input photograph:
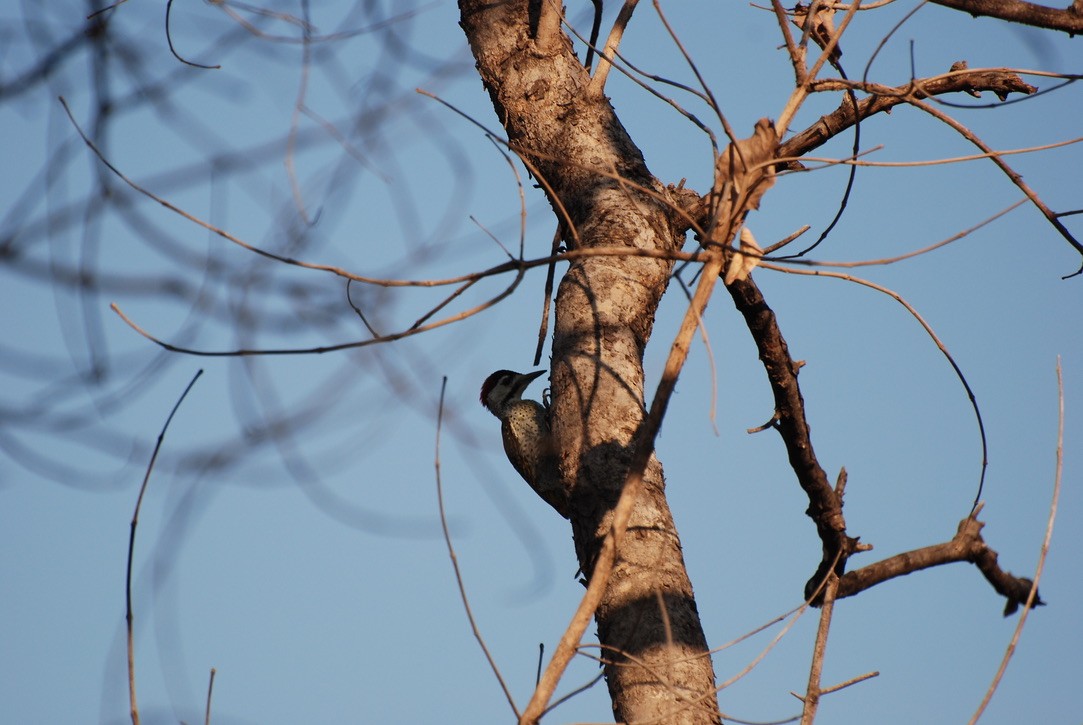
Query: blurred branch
{"type": "Point", "coordinates": [53, 59]}
{"type": "Point", "coordinates": [210, 692]}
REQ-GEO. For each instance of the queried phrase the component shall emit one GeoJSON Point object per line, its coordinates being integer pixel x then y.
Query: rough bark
{"type": "Point", "coordinates": [657, 666]}
{"type": "Point", "coordinates": [1069, 19]}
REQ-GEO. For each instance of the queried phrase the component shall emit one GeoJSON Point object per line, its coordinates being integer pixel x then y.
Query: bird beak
{"type": "Point", "coordinates": [527, 378]}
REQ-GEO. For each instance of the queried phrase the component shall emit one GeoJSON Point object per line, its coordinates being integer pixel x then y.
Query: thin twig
{"type": "Point", "coordinates": [169, 40]}
{"type": "Point", "coordinates": [129, 617]}
{"type": "Point", "coordinates": [712, 364]}
{"type": "Point", "coordinates": [442, 304]}
{"type": "Point", "coordinates": [786, 240]}
{"type": "Point", "coordinates": [936, 340]}
{"type": "Point", "coordinates": [854, 161]}
{"type": "Point", "coordinates": [884, 261]}
{"type": "Point", "coordinates": [1032, 597]}
{"type": "Point", "coordinates": [595, 27]}
{"type": "Point", "coordinates": [547, 296]}
{"type": "Point", "coordinates": [244, 352]}
{"type": "Point", "coordinates": [633, 76]}
{"type": "Point", "coordinates": [711, 100]}
{"type": "Point", "coordinates": [797, 55]}
{"type": "Point", "coordinates": [485, 230]}
{"type": "Point", "coordinates": [794, 615]}
{"type": "Point", "coordinates": [847, 683]}
{"type": "Point", "coordinates": [800, 93]}
{"type": "Point", "coordinates": [455, 560]}
{"type": "Point", "coordinates": [357, 309]}
{"type": "Point", "coordinates": [107, 8]}
{"type": "Point", "coordinates": [753, 632]}
{"type": "Point", "coordinates": [813, 692]}
{"type": "Point", "coordinates": [210, 691]}
{"type": "Point", "coordinates": [522, 194]}
{"type": "Point", "coordinates": [855, 149]}
{"type": "Point", "coordinates": [577, 691]}
{"type": "Point", "coordinates": [767, 649]}
{"type": "Point", "coordinates": [1014, 176]}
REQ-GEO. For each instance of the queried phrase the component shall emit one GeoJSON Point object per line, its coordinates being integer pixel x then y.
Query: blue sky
{"type": "Point", "coordinates": [308, 568]}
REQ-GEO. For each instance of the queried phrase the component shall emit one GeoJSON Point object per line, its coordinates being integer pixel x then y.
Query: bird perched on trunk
{"type": "Point", "coordinates": [524, 426]}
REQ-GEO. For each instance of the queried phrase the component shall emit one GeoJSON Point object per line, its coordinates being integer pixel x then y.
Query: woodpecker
{"type": "Point", "coordinates": [524, 426]}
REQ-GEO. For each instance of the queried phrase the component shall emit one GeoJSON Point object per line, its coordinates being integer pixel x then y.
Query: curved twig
{"type": "Point", "coordinates": [455, 559]}
{"type": "Point", "coordinates": [936, 340]}
{"type": "Point", "coordinates": [129, 615]}
{"type": "Point", "coordinates": [169, 40]}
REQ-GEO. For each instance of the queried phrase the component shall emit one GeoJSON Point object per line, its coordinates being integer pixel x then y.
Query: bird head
{"type": "Point", "coordinates": [503, 387]}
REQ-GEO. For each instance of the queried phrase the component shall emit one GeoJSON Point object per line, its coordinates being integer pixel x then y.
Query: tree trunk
{"type": "Point", "coordinates": [657, 666]}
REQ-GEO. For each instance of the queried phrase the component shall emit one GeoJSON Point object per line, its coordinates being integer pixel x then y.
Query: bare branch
{"type": "Point", "coordinates": [416, 329]}
{"type": "Point", "coordinates": [707, 92]}
{"type": "Point", "coordinates": [811, 699]}
{"type": "Point", "coordinates": [597, 83]}
{"type": "Point", "coordinates": [966, 545]}
{"type": "Point", "coordinates": [595, 28]}
{"type": "Point", "coordinates": [210, 691]}
{"type": "Point", "coordinates": [1068, 20]}
{"type": "Point", "coordinates": [797, 55]}
{"type": "Point", "coordinates": [1015, 177]}
{"type": "Point", "coordinates": [1001, 81]}
{"type": "Point", "coordinates": [547, 296]}
{"type": "Point", "coordinates": [455, 559]}
{"type": "Point", "coordinates": [940, 346]}
{"type": "Point", "coordinates": [852, 681]}
{"type": "Point", "coordinates": [547, 26]}
{"type": "Point", "coordinates": [825, 507]}
{"type": "Point", "coordinates": [797, 98]}
{"type": "Point", "coordinates": [169, 40]}
{"type": "Point", "coordinates": [129, 614]}
{"type": "Point", "coordinates": [1032, 599]}
{"type": "Point", "coordinates": [883, 261]}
